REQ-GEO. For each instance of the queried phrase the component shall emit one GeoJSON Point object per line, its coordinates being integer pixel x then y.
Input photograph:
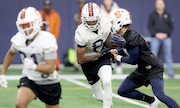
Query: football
{"type": "Point", "coordinates": [108, 44]}
{"type": "Point", "coordinates": [114, 41]}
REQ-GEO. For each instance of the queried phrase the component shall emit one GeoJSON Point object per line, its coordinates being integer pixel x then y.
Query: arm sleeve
{"type": "Point", "coordinates": [50, 55]}
{"type": "Point", "coordinates": [57, 25]}
{"type": "Point", "coordinates": [54, 25]}
{"type": "Point", "coordinates": [79, 39]}
{"type": "Point", "coordinates": [133, 56]}
{"type": "Point", "coordinates": [170, 24]}
{"type": "Point", "coordinates": [13, 49]}
{"type": "Point", "coordinates": [151, 25]}
{"type": "Point", "coordinates": [122, 51]}
{"type": "Point", "coordinates": [50, 47]}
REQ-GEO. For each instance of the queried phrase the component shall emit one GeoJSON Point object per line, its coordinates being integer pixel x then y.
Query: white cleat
{"type": "Point", "coordinates": [101, 100]}
{"type": "Point", "coordinates": [156, 103]}
{"type": "Point", "coordinates": [111, 104]}
{"type": "Point", "coordinates": [98, 99]}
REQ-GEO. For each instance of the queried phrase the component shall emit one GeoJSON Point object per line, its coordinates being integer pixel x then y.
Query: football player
{"type": "Point", "coordinates": [150, 69]}
{"type": "Point", "coordinates": [37, 50]}
{"type": "Point", "coordinates": [90, 37]}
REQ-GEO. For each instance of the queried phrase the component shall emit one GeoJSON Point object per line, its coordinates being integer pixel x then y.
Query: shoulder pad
{"type": "Point", "coordinates": [18, 39]}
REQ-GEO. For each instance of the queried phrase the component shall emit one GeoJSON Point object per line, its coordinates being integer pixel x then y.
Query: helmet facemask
{"type": "Point", "coordinates": [28, 29]}
{"type": "Point", "coordinates": [93, 24]}
{"type": "Point", "coordinates": [116, 26]}
{"type": "Point", "coordinates": [91, 16]}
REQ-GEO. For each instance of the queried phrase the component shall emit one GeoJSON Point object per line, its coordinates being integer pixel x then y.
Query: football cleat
{"type": "Point", "coordinates": [156, 103]}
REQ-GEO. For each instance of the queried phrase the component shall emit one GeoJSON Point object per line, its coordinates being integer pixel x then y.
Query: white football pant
{"type": "Point", "coordinates": [105, 73]}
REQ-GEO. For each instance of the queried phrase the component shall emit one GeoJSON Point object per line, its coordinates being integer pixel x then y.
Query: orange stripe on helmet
{"type": "Point", "coordinates": [23, 13]}
{"type": "Point", "coordinates": [90, 9]}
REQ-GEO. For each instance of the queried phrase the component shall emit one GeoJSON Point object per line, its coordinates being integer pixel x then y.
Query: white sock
{"type": "Point", "coordinates": [97, 91]}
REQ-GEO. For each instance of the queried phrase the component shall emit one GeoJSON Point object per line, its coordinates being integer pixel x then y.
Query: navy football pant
{"type": "Point", "coordinates": [127, 89]}
{"type": "Point", "coordinates": [158, 89]}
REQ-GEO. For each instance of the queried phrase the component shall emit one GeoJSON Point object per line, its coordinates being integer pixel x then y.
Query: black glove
{"type": "Point", "coordinates": [118, 41]}
{"type": "Point", "coordinates": [105, 51]}
{"type": "Point", "coordinates": [112, 58]}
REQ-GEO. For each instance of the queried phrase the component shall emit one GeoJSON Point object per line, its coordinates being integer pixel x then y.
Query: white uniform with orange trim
{"type": "Point", "coordinates": [93, 42]}
{"type": "Point", "coordinates": [42, 48]}
{"type": "Point", "coordinates": [91, 35]}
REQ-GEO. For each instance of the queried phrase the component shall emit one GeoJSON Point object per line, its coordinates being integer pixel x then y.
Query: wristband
{"type": "Point", "coordinates": [119, 58]}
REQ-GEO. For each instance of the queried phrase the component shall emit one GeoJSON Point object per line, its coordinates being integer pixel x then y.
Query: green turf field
{"type": "Point", "coordinates": [69, 70]}
{"type": "Point", "coordinates": [74, 96]}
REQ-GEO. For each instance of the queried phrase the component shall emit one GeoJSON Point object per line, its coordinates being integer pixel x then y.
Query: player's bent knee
{"type": "Point", "coordinates": [122, 92]}
{"type": "Point", "coordinates": [160, 94]}
{"type": "Point", "coordinates": [107, 83]}
{"type": "Point", "coordinates": [53, 106]}
{"type": "Point", "coordinates": [20, 105]}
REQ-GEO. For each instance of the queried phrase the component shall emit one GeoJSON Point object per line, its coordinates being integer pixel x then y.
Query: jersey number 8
{"type": "Point", "coordinates": [97, 46]}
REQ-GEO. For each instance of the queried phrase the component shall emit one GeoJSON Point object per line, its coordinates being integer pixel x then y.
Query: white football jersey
{"type": "Point", "coordinates": [42, 48]}
{"type": "Point", "coordinates": [93, 42]}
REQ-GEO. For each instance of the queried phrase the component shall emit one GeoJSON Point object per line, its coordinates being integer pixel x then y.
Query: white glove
{"type": "Point", "coordinates": [119, 58]}
{"type": "Point", "coordinates": [54, 75]}
{"type": "Point", "coordinates": [3, 81]}
{"type": "Point", "coordinates": [29, 64]}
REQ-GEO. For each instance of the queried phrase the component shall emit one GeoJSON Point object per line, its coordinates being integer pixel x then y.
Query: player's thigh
{"type": "Point", "coordinates": [105, 73]}
{"type": "Point", "coordinates": [24, 96]}
{"type": "Point", "coordinates": [52, 106]}
{"type": "Point", "coordinates": [127, 85]}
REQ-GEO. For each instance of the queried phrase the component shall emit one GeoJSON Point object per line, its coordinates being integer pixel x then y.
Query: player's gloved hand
{"type": "Point", "coordinates": [29, 64]}
{"type": "Point", "coordinates": [104, 51]}
{"type": "Point", "coordinates": [3, 81]}
{"type": "Point", "coordinates": [54, 75]}
{"type": "Point", "coordinates": [118, 41]}
{"type": "Point", "coordinates": [115, 54]}
{"type": "Point", "coordinates": [112, 58]}
{"type": "Point", "coordinates": [118, 58]}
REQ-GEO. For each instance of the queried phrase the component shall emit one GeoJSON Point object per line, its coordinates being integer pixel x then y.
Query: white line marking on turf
{"type": "Point", "coordinates": [81, 76]}
{"type": "Point", "coordinates": [114, 95]}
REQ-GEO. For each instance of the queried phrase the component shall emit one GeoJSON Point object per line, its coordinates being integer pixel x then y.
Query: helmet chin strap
{"type": "Point", "coordinates": [33, 37]}
{"type": "Point", "coordinates": [94, 27]}
{"type": "Point", "coordinates": [28, 41]}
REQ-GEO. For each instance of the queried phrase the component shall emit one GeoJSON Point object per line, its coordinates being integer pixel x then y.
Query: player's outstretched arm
{"type": "Point", "coordinates": [131, 58]}
{"type": "Point", "coordinates": [7, 61]}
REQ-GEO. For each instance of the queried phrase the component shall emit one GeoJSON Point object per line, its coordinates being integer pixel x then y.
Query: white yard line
{"type": "Point", "coordinates": [114, 95]}
{"type": "Point", "coordinates": [123, 65]}
{"type": "Point", "coordinates": [81, 76]}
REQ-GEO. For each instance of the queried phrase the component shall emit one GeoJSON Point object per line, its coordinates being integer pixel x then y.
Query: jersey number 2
{"type": "Point", "coordinates": [33, 56]}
